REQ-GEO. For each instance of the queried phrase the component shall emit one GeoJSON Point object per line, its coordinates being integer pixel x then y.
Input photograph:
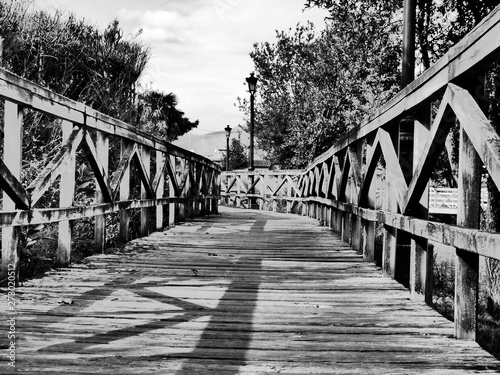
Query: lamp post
{"type": "Point", "coordinates": [228, 134]}
{"type": "Point", "coordinates": [252, 87]}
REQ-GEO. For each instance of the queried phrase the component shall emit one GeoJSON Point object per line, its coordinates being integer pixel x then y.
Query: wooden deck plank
{"type": "Point", "coordinates": [243, 292]}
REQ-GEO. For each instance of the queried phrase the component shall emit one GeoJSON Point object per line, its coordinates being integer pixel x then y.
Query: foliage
{"type": "Point", "coordinates": [237, 155]}
{"type": "Point", "coordinates": [72, 58]}
{"type": "Point", "coordinates": [158, 115]}
{"type": "Point", "coordinates": [314, 86]}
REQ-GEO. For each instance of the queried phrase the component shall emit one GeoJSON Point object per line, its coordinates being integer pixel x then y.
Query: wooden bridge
{"type": "Point", "coordinates": [248, 291]}
{"type": "Point", "coordinates": [242, 292]}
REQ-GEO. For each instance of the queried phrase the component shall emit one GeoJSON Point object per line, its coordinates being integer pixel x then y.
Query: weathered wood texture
{"type": "Point", "coordinates": [246, 292]}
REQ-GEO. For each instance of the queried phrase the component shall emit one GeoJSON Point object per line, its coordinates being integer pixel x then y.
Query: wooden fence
{"type": "Point", "coordinates": [262, 188]}
{"type": "Point", "coordinates": [163, 175]}
{"type": "Point", "coordinates": [409, 134]}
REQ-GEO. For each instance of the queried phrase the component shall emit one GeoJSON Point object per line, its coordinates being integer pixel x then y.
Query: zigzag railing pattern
{"type": "Point", "coordinates": [407, 136]}
{"type": "Point", "coordinates": [164, 175]}
{"type": "Point", "coordinates": [260, 188]}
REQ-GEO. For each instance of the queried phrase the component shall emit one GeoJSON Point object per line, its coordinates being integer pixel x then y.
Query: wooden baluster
{"type": "Point", "coordinates": [160, 190]}
{"type": "Point", "coordinates": [145, 155]}
{"type": "Point", "coordinates": [357, 227]}
{"type": "Point", "coordinates": [184, 203]}
{"type": "Point", "coordinates": [66, 199]}
{"type": "Point", "coordinates": [389, 244]}
{"type": "Point", "coordinates": [195, 190]}
{"type": "Point", "coordinates": [12, 158]}
{"type": "Point", "coordinates": [368, 245]}
{"type": "Point", "coordinates": [466, 263]}
{"type": "Point", "coordinates": [172, 206]}
{"type": "Point", "coordinates": [102, 150]}
{"type": "Point", "coordinates": [421, 255]}
{"type": "Point", "coordinates": [390, 234]}
{"type": "Point", "coordinates": [346, 227]}
{"type": "Point", "coordinates": [124, 195]}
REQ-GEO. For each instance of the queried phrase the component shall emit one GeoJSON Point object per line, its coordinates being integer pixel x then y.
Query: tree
{"type": "Point", "coordinates": [158, 115]}
{"type": "Point", "coordinates": [315, 86]}
{"type": "Point", "coordinates": [237, 155]}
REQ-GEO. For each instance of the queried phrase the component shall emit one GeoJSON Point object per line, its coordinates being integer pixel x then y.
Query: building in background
{"type": "Point", "coordinates": [212, 145]}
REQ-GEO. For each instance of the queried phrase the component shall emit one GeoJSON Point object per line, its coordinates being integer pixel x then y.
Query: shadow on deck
{"type": "Point", "coordinates": [243, 292]}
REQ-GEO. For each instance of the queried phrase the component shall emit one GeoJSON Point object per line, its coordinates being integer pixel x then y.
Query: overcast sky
{"type": "Point", "coordinates": [200, 48]}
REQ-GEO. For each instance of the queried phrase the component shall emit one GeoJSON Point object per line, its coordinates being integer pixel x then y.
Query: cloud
{"type": "Point", "coordinates": [158, 26]}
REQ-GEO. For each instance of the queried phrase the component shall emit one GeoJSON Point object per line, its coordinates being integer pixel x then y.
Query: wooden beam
{"type": "Point", "coordinates": [143, 159]}
{"type": "Point", "coordinates": [121, 182]}
{"type": "Point", "coordinates": [127, 152]}
{"type": "Point", "coordinates": [159, 186]}
{"type": "Point", "coordinates": [12, 159]}
{"type": "Point", "coordinates": [66, 198]}
{"type": "Point", "coordinates": [98, 157]}
{"type": "Point", "coordinates": [466, 263]}
{"type": "Point", "coordinates": [479, 130]}
{"type": "Point", "coordinates": [393, 169]}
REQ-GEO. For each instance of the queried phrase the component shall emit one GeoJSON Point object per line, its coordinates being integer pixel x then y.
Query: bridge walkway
{"type": "Point", "coordinates": [242, 292]}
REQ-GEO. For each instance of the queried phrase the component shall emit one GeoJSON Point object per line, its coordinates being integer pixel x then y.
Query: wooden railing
{"type": "Point", "coordinates": [166, 177]}
{"type": "Point", "coordinates": [265, 189]}
{"type": "Point", "coordinates": [339, 186]}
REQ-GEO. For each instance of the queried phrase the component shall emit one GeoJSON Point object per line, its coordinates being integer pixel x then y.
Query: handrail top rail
{"type": "Point", "coordinates": [32, 95]}
{"type": "Point", "coordinates": [448, 68]}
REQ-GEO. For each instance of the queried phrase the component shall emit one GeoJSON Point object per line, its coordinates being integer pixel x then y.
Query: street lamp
{"type": "Point", "coordinates": [228, 134]}
{"type": "Point", "coordinates": [252, 87]}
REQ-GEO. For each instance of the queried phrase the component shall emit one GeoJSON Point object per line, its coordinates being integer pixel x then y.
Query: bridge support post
{"type": "Point", "coordinates": [66, 198]}
{"type": "Point", "coordinates": [12, 158]}
{"type": "Point", "coordinates": [160, 190]}
{"type": "Point", "coordinates": [368, 245]}
{"type": "Point", "coordinates": [356, 233]}
{"type": "Point", "coordinates": [172, 206]}
{"type": "Point", "coordinates": [421, 255]}
{"type": "Point", "coordinates": [390, 236]}
{"type": "Point", "coordinates": [102, 150]}
{"type": "Point", "coordinates": [346, 227]}
{"type": "Point", "coordinates": [466, 263]}
{"type": "Point", "coordinates": [124, 195]}
{"type": "Point", "coordinates": [145, 155]}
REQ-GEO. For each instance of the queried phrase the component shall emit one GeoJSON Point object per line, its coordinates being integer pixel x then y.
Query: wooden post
{"type": "Point", "coordinates": [12, 158]}
{"type": "Point", "coordinates": [466, 263]}
{"type": "Point", "coordinates": [346, 226]}
{"type": "Point", "coordinates": [195, 189]}
{"type": "Point", "coordinates": [124, 195]}
{"type": "Point", "coordinates": [160, 190]}
{"type": "Point", "coordinates": [390, 235]}
{"type": "Point", "coordinates": [368, 246]}
{"type": "Point", "coordinates": [183, 194]}
{"type": "Point", "coordinates": [356, 233]}
{"type": "Point", "coordinates": [172, 206]}
{"type": "Point", "coordinates": [356, 184]}
{"type": "Point", "coordinates": [102, 150]}
{"type": "Point", "coordinates": [421, 256]}
{"type": "Point", "coordinates": [145, 155]}
{"type": "Point", "coordinates": [66, 199]}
